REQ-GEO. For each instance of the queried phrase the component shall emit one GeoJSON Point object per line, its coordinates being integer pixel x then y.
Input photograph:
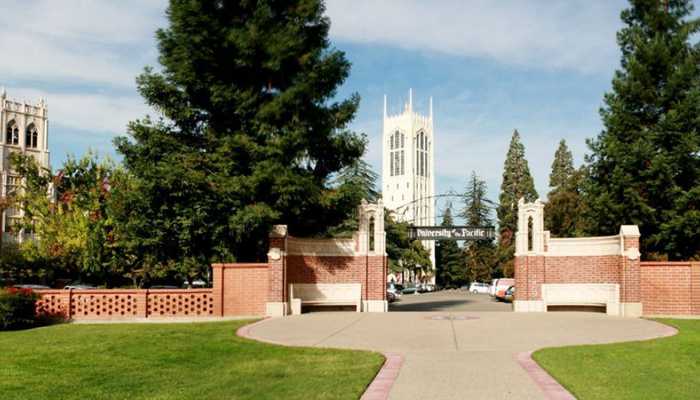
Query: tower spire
{"type": "Point", "coordinates": [410, 100]}
{"type": "Point", "coordinates": [431, 108]}
{"type": "Point", "coordinates": [384, 106]}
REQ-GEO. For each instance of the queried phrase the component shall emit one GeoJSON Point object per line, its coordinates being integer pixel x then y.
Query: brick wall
{"type": "Point", "coordinates": [670, 288]}
{"type": "Point", "coordinates": [368, 271]}
{"type": "Point", "coordinates": [583, 269]}
{"type": "Point", "coordinates": [532, 271]}
{"type": "Point", "coordinates": [240, 289]}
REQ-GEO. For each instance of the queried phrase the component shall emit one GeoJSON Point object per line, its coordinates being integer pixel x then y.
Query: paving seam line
{"type": "Point", "coordinates": [339, 330]}
{"type": "Point", "coordinates": [454, 333]}
{"type": "Point", "coordinates": [380, 386]}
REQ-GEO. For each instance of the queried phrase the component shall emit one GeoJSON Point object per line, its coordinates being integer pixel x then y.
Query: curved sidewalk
{"type": "Point", "coordinates": [456, 355]}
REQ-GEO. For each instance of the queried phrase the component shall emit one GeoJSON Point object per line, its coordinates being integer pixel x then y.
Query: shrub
{"type": "Point", "coordinates": [17, 308]}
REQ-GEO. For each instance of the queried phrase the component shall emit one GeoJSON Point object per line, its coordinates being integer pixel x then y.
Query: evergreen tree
{"type": "Point", "coordinates": [562, 167]}
{"type": "Point", "coordinates": [359, 181]}
{"type": "Point", "coordinates": [477, 207]}
{"type": "Point", "coordinates": [565, 212]}
{"type": "Point", "coordinates": [451, 270]}
{"type": "Point", "coordinates": [517, 183]}
{"type": "Point", "coordinates": [645, 164]}
{"type": "Point", "coordinates": [479, 254]}
{"type": "Point", "coordinates": [252, 133]}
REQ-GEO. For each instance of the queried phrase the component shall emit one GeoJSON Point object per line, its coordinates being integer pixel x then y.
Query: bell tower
{"type": "Point", "coordinates": [408, 166]}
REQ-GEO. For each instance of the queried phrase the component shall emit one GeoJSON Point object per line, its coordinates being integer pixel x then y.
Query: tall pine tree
{"type": "Point", "coordinates": [479, 254]}
{"type": "Point", "coordinates": [451, 269]}
{"type": "Point", "coordinates": [517, 183]}
{"type": "Point", "coordinates": [565, 211]}
{"type": "Point", "coordinates": [562, 166]}
{"type": "Point", "coordinates": [645, 164]}
{"type": "Point", "coordinates": [253, 129]}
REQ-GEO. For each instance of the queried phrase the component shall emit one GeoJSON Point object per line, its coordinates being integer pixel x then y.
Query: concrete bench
{"type": "Point", "coordinates": [582, 294]}
{"type": "Point", "coordinates": [325, 294]}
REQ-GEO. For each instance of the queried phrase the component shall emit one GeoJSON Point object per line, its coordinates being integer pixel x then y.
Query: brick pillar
{"type": "Point", "coordinates": [695, 288]}
{"type": "Point", "coordinates": [218, 289]}
{"type": "Point", "coordinates": [529, 277]}
{"type": "Point", "coordinates": [277, 273]}
{"type": "Point", "coordinates": [630, 276]}
{"type": "Point", "coordinates": [142, 303]}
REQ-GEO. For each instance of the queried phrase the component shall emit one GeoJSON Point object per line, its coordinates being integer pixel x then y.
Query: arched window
{"type": "Point", "coordinates": [371, 234]}
{"type": "Point", "coordinates": [529, 234]}
{"type": "Point", "coordinates": [396, 156]}
{"type": "Point", "coordinates": [31, 136]}
{"type": "Point", "coordinates": [12, 133]}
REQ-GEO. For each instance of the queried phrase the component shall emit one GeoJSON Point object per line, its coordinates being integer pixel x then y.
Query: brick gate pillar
{"type": "Point", "coordinates": [277, 304]}
{"type": "Point", "coordinates": [630, 284]}
{"type": "Point", "coordinates": [530, 249]}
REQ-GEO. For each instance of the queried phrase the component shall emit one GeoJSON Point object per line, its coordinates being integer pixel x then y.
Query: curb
{"type": "Point", "coordinates": [552, 389]}
{"type": "Point", "coordinates": [380, 386]}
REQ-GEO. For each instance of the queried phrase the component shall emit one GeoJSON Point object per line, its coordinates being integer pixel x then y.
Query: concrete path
{"type": "Point", "coordinates": [456, 355]}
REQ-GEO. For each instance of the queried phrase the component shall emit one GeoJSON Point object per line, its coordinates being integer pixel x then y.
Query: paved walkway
{"type": "Point", "coordinates": [456, 355]}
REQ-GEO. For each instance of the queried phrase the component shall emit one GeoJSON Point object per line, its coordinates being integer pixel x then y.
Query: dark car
{"type": "Point", "coordinates": [509, 295]}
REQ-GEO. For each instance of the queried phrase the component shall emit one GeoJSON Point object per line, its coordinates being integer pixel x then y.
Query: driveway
{"type": "Point", "coordinates": [449, 300]}
{"type": "Point", "coordinates": [456, 354]}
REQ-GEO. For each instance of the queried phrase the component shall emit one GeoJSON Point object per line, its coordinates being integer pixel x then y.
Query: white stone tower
{"type": "Point", "coordinates": [408, 166]}
{"type": "Point", "coordinates": [25, 129]}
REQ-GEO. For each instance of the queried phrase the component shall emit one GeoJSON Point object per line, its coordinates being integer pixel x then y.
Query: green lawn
{"type": "Point", "coordinates": [173, 361]}
{"type": "Point", "coordinates": [667, 368]}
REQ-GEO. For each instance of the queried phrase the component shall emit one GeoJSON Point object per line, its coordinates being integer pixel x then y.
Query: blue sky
{"type": "Point", "coordinates": [491, 67]}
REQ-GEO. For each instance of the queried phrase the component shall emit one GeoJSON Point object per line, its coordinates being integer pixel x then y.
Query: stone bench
{"type": "Point", "coordinates": [325, 294]}
{"type": "Point", "coordinates": [583, 294]}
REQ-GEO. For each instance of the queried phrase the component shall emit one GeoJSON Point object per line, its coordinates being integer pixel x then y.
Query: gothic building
{"type": "Point", "coordinates": [408, 185]}
{"type": "Point", "coordinates": [25, 130]}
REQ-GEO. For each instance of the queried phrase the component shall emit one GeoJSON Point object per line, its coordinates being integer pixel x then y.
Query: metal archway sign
{"type": "Point", "coordinates": [452, 232]}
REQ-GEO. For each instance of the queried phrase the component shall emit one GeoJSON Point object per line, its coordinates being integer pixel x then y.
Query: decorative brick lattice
{"type": "Point", "coordinates": [52, 303]}
{"type": "Point", "coordinates": [104, 305]}
{"type": "Point", "coordinates": [180, 303]}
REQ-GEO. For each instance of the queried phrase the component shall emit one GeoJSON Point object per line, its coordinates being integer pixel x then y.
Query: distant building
{"type": "Point", "coordinates": [26, 130]}
{"type": "Point", "coordinates": [408, 184]}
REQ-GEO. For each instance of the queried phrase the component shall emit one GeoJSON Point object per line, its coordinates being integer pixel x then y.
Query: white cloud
{"type": "Point", "coordinates": [78, 41]}
{"type": "Point", "coordinates": [576, 35]}
{"type": "Point", "coordinates": [92, 114]}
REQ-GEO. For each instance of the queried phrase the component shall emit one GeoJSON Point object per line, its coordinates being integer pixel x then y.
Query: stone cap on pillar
{"type": "Point", "coordinates": [278, 231]}
{"type": "Point", "coordinates": [629, 231]}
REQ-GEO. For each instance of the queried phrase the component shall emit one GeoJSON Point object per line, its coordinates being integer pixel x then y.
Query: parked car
{"type": "Point", "coordinates": [31, 286]}
{"type": "Point", "coordinates": [479, 287]}
{"type": "Point", "coordinates": [510, 294]}
{"type": "Point", "coordinates": [164, 287]}
{"type": "Point", "coordinates": [410, 288]}
{"type": "Point", "coordinates": [80, 286]}
{"type": "Point", "coordinates": [500, 295]}
{"type": "Point", "coordinates": [393, 289]}
{"type": "Point", "coordinates": [501, 284]}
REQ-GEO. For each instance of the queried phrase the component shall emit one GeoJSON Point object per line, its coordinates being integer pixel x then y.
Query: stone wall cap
{"type": "Point", "coordinates": [278, 231]}
{"type": "Point", "coordinates": [629, 230]}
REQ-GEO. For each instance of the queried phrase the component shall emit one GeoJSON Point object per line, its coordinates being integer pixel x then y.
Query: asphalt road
{"type": "Point", "coordinates": [448, 300]}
